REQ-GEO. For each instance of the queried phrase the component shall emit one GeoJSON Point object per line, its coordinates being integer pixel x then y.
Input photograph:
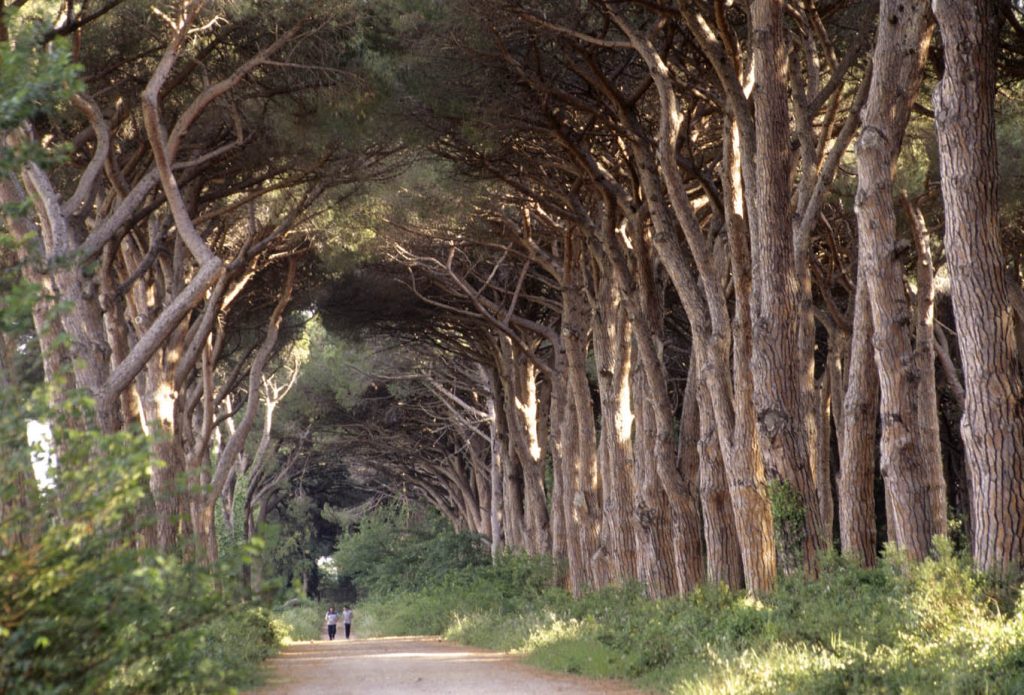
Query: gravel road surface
{"type": "Point", "coordinates": [399, 665]}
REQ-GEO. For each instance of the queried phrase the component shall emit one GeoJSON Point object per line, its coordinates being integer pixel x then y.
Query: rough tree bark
{"type": "Point", "coordinates": [612, 334]}
{"type": "Point", "coordinates": [582, 506]}
{"type": "Point", "coordinates": [993, 421]}
{"type": "Point", "coordinates": [915, 488]}
{"type": "Point", "coordinates": [856, 481]}
{"type": "Point", "coordinates": [776, 361]}
{"type": "Point", "coordinates": [724, 563]}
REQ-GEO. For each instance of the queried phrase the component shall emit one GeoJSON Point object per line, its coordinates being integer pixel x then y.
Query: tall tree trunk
{"type": "Point", "coordinates": [557, 417]}
{"type": "Point", "coordinates": [656, 567]}
{"type": "Point", "coordinates": [533, 468]}
{"type": "Point", "coordinates": [166, 482]}
{"type": "Point", "coordinates": [724, 563]}
{"type": "Point", "coordinates": [924, 351]}
{"type": "Point", "coordinates": [512, 524]}
{"type": "Point", "coordinates": [856, 483]}
{"type": "Point", "coordinates": [495, 475]}
{"type": "Point", "coordinates": [479, 458]}
{"type": "Point", "coordinates": [686, 518]}
{"type": "Point", "coordinates": [519, 390]}
{"type": "Point", "coordinates": [738, 445]}
{"type": "Point", "coordinates": [32, 257]}
{"type": "Point", "coordinates": [823, 458]}
{"type": "Point", "coordinates": [776, 359]}
{"type": "Point", "coordinates": [583, 489]}
{"type": "Point", "coordinates": [613, 336]}
{"type": "Point", "coordinates": [993, 422]}
{"type": "Point", "coordinates": [54, 238]}
{"type": "Point", "coordinates": [915, 488]}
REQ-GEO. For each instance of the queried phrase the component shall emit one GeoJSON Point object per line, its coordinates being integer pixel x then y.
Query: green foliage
{"type": "Point", "coordinates": [34, 79]}
{"type": "Point", "coordinates": [334, 372]}
{"type": "Point", "coordinates": [787, 524]}
{"type": "Point", "coordinates": [482, 600]}
{"type": "Point", "coordinates": [902, 627]}
{"type": "Point", "coordinates": [290, 544]}
{"type": "Point", "coordinates": [84, 610]}
{"type": "Point", "coordinates": [400, 549]}
{"type": "Point", "coordinates": [1010, 145]}
{"type": "Point", "coordinates": [899, 628]}
{"type": "Point", "coordinates": [299, 622]}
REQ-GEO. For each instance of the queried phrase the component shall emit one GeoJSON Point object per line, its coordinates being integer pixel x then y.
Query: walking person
{"type": "Point", "coordinates": [332, 623]}
{"type": "Point", "coordinates": [346, 617]}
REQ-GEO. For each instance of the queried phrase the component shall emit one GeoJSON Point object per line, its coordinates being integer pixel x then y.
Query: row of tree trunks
{"type": "Point", "coordinates": [707, 307]}
{"type": "Point", "coordinates": [632, 231]}
{"type": "Point", "coordinates": [682, 516]}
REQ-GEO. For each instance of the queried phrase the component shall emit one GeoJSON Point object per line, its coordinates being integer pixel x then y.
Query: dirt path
{"type": "Point", "coordinates": [398, 665]}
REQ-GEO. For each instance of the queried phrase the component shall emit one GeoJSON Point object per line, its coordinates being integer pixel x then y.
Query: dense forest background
{"type": "Point", "coordinates": [681, 294]}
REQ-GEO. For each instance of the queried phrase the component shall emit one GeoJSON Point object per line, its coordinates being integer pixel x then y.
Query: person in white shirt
{"type": "Point", "coordinates": [346, 617]}
{"type": "Point", "coordinates": [332, 623]}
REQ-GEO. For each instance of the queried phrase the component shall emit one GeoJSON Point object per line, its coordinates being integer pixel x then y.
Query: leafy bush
{"type": "Point", "coordinates": [400, 548]}
{"type": "Point", "coordinates": [426, 612]}
{"type": "Point", "coordinates": [299, 623]}
{"type": "Point", "coordinates": [86, 611]}
{"type": "Point", "coordinates": [514, 585]}
{"type": "Point", "coordinates": [902, 627]}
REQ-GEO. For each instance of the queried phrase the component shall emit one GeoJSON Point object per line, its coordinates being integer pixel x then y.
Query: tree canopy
{"type": "Point", "coordinates": [677, 293]}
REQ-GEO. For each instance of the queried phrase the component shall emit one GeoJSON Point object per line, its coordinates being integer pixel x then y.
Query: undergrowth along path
{"type": "Point", "coordinates": [400, 665]}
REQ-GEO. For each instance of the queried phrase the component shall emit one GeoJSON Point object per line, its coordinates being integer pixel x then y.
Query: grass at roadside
{"type": "Point", "coordinates": [933, 627]}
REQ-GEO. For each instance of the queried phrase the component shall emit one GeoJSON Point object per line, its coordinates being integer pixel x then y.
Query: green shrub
{"type": "Point", "coordinates": [299, 623]}
{"type": "Point", "coordinates": [426, 612]}
{"type": "Point", "coordinates": [788, 515]}
{"type": "Point", "coordinates": [129, 624]}
{"type": "Point", "coordinates": [500, 631]}
{"type": "Point", "coordinates": [400, 548]}
{"type": "Point", "coordinates": [514, 585]}
{"type": "Point", "coordinates": [83, 610]}
{"type": "Point", "coordinates": [934, 626]}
